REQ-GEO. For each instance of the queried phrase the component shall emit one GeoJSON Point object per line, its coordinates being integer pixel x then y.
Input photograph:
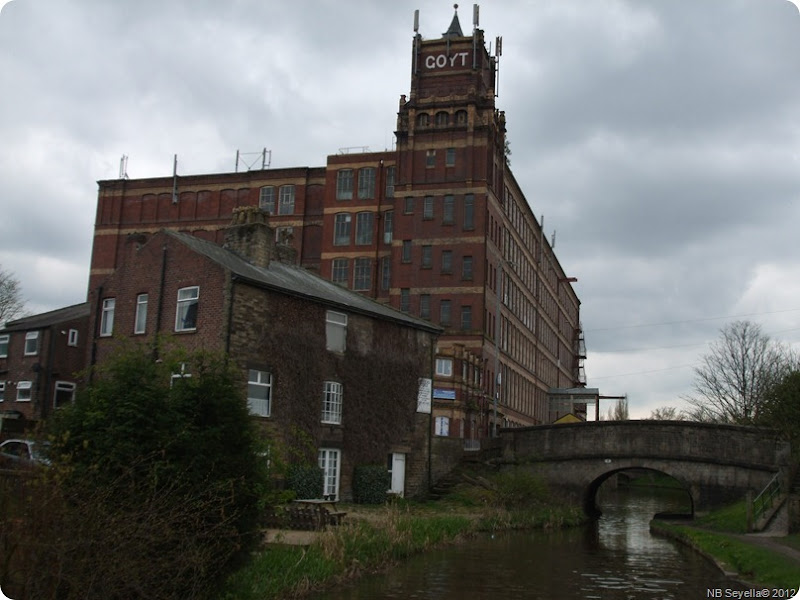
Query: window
{"type": "Point", "coordinates": [442, 427]}
{"type": "Point", "coordinates": [390, 174]}
{"type": "Point", "coordinates": [466, 267]}
{"type": "Point", "coordinates": [2, 391]}
{"type": "Point", "coordinates": [466, 317]}
{"type": "Point", "coordinates": [341, 229]}
{"type": "Point", "coordinates": [186, 313]}
{"type": "Point", "coordinates": [31, 343]}
{"type": "Point", "coordinates": [259, 392]}
{"type": "Point", "coordinates": [422, 119]}
{"type": "Point", "coordinates": [179, 377]}
{"type": "Point", "coordinates": [408, 205]}
{"type": "Point", "coordinates": [140, 321]}
{"type": "Point", "coordinates": [427, 257]}
{"type": "Point", "coordinates": [427, 208]}
{"type": "Point", "coordinates": [344, 184]}
{"type": "Point", "coordinates": [406, 256]}
{"type": "Point", "coordinates": [332, 402]}
{"type": "Point", "coordinates": [386, 273]}
{"type": "Point", "coordinates": [469, 211]}
{"type": "Point", "coordinates": [24, 391]}
{"type": "Point", "coordinates": [107, 317]}
{"type": "Point", "coordinates": [266, 199]}
{"type": "Point", "coordinates": [444, 312]}
{"type": "Point", "coordinates": [430, 158]}
{"type": "Point", "coordinates": [286, 206]}
{"type": "Point", "coordinates": [329, 460]}
{"type": "Point", "coordinates": [340, 271]}
{"type": "Point", "coordinates": [64, 394]}
{"type": "Point", "coordinates": [444, 367]}
{"type": "Point", "coordinates": [450, 157]}
{"type": "Point", "coordinates": [284, 235]}
{"type": "Point", "coordinates": [72, 337]}
{"type": "Point", "coordinates": [362, 274]}
{"type": "Point", "coordinates": [335, 331]}
{"type": "Point", "coordinates": [366, 183]}
{"type": "Point", "coordinates": [442, 119]}
{"type": "Point", "coordinates": [405, 299]}
{"type": "Point", "coordinates": [364, 228]}
{"type": "Point", "coordinates": [447, 261]}
{"type": "Point", "coordinates": [447, 211]}
{"type": "Point", "coordinates": [425, 306]}
{"type": "Point", "coordinates": [461, 117]}
{"type": "Point", "coordinates": [4, 345]}
{"type": "Point", "coordinates": [388, 226]}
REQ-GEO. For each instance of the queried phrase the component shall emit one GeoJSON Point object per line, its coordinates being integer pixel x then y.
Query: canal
{"type": "Point", "coordinates": [614, 557]}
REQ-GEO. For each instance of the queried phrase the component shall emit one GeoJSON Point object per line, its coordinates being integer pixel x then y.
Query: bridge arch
{"type": "Point", "coordinates": [716, 464]}
{"type": "Point", "coordinates": [589, 496]}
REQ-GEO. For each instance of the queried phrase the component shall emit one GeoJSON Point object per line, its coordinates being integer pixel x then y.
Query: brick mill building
{"type": "Point", "coordinates": [437, 228]}
{"type": "Point", "coordinates": [327, 369]}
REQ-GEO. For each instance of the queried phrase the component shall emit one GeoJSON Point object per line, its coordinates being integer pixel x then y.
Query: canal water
{"type": "Point", "coordinates": [613, 558]}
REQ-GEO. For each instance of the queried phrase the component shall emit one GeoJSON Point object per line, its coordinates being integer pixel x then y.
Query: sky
{"type": "Point", "coordinates": [659, 141]}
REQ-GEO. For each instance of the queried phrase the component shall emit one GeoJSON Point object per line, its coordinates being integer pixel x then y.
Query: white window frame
{"type": "Point", "coordinates": [31, 343]}
{"type": "Point", "coordinates": [266, 199]}
{"type": "Point", "coordinates": [286, 201]}
{"type": "Point", "coordinates": [330, 461]}
{"type": "Point", "coordinates": [332, 403]}
{"type": "Point", "coordinates": [340, 271]}
{"type": "Point", "coordinates": [444, 366]}
{"type": "Point", "coordinates": [362, 274]}
{"type": "Point", "coordinates": [184, 305]}
{"type": "Point", "coordinates": [442, 426]}
{"type": "Point", "coordinates": [2, 391]}
{"type": "Point", "coordinates": [24, 385]}
{"type": "Point", "coordinates": [107, 317]}
{"type": "Point", "coordinates": [4, 342]}
{"type": "Point", "coordinates": [335, 331]}
{"type": "Point", "coordinates": [63, 386]}
{"type": "Point", "coordinates": [261, 380]}
{"type": "Point", "coordinates": [140, 319]}
{"type": "Point", "coordinates": [179, 376]}
{"type": "Point", "coordinates": [72, 337]}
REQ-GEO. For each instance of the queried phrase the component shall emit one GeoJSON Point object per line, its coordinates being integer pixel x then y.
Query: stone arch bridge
{"type": "Point", "coordinates": [716, 464]}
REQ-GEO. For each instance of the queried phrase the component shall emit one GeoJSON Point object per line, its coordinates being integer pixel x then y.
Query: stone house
{"type": "Point", "coordinates": [41, 357]}
{"type": "Point", "coordinates": [322, 365]}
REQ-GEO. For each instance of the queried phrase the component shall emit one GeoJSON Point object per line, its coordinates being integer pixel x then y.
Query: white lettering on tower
{"type": "Point", "coordinates": [458, 59]}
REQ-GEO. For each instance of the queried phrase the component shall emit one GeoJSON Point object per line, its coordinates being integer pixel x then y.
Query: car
{"type": "Point", "coordinates": [23, 453]}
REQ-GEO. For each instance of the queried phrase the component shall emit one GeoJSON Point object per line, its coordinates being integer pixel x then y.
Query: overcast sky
{"type": "Point", "coordinates": [660, 141]}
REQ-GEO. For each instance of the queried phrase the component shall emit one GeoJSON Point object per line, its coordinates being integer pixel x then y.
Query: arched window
{"type": "Point", "coordinates": [423, 120]}
{"type": "Point", "coordinates": [442, 119]}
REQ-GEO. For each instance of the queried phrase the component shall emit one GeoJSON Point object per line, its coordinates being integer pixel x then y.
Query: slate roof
{"type": "Point", "coordinates": [42, 320]}
{"type": "Point", "coordinates": [297, 281]}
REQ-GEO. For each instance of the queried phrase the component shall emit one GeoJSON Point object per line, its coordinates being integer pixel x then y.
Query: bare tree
{"type": "Point", "coordinates": [619, 411]}
{"type": "Point", "coordinates": [733, 378]}
{"type": "Point", "coordinates": [667, 413]}
{"type": "Point", "coordinates": [11, 302]}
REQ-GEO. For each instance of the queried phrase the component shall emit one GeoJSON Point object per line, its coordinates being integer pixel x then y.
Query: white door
{"type": "Point", "coordinates": [398, 474]}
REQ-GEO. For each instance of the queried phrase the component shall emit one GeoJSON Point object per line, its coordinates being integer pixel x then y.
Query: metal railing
{"type": "Point", "coordinates": [766, 499]}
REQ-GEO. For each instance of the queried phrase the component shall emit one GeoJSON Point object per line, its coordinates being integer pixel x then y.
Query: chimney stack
{"type": "Point", "coordinates": [250, 236]}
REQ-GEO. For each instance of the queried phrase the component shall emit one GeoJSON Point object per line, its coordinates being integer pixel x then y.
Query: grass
{"type": "Point", "coordinates": [373, 538]}
{"type": "Point", "coordinates": [730, 519]}
{"type": "Point", "coordinates": [758, 565]}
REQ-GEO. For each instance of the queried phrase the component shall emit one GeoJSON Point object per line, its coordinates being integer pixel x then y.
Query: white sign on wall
{"type": "Point", "coordinates": [440, 61]}
{"type": "Point", "coordinates": [424, 395]}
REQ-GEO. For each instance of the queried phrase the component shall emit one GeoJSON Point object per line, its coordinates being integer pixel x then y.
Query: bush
{"type": "Point", "coordinates": [155, 486]}
{"type": "Point", "coordinates": [370, 484]}
{"type": "Point", "coordinates": [520, 489]}
{"type": "Point", "coordinates": [306, 481]}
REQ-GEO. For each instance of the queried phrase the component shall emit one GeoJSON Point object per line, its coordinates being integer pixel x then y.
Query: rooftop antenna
{"type": "Point", "coordinates": [123, 167]}
{"type": "Point", "coordinates": [475, 19]}
{"type": "Point", "coordinates": [266, 159]}
{"type": "Point", "coordinates": [498, 52]}
{"type": "Point", "coordinates": [416, 42]}
{"type": "Point", "coordinates": [175, 180]}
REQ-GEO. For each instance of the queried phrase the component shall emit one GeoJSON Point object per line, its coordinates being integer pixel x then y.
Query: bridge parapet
{"type": "Point", "coordinates": [754, 448]}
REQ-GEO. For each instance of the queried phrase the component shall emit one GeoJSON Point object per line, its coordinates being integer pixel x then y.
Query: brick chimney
{"type": "Point", "coordinates": [250, 236]}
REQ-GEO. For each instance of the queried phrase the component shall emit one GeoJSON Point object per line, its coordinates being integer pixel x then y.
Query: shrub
{"type": "Point", "coordinates": [306, 481]}
{"type": "Point", "coordinates": [370, 484]}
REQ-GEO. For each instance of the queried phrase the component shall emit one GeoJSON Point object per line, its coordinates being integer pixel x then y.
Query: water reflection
{"type": "Point", "coordinates": [614, 558]}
